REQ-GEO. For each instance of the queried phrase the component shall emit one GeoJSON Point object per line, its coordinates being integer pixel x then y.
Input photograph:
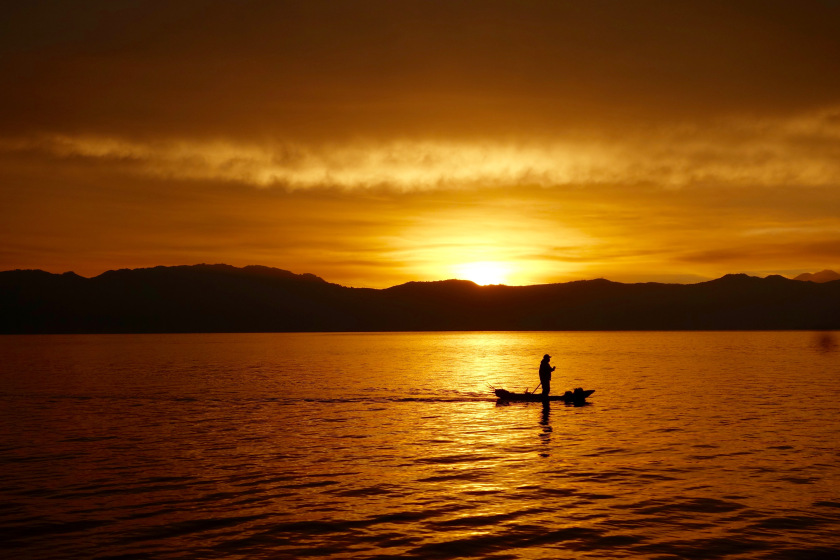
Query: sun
{"type": "Point", "coordinates": [482, 273]}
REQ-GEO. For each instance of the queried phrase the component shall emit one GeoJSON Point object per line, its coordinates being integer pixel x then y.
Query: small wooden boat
{"type": "Point", "coordinates": [578, 396]}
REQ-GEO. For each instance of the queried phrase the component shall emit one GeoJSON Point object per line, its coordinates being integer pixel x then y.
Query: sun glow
{"type": "Point", "coordinates": [483, 273]}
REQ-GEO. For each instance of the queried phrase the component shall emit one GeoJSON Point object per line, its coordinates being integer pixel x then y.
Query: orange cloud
{"type": "Point", "coordinates": [801, 150]}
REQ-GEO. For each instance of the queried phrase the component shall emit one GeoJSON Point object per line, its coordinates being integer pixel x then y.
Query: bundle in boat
{"type": "Point", "coordinates": [577, 396]}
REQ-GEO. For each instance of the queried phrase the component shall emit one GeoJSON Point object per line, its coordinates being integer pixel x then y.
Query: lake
{"type": "Point", "coordinates": [384, 445]}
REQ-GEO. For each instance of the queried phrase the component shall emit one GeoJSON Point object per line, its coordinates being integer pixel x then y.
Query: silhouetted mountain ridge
{"type": "Point", "coordinates": [822, 276]}
{"type": "Point", "coordinates": [223, 298]}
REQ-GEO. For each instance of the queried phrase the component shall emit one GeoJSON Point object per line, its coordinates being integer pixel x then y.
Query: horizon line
{"type": "Point", "coordinates": [71, 272]}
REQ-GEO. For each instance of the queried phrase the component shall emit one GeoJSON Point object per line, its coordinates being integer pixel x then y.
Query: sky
{"type": "Point", "coordinates": [378, 142]}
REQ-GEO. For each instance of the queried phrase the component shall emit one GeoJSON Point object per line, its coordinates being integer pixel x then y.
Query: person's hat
{"type": "Point", "coordinates": [546, 357]}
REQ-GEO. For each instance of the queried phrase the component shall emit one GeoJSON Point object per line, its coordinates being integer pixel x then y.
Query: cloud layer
{"type": "Point", "coordinates": [801, 150]}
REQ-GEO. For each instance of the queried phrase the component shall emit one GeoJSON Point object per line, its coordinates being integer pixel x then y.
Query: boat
{"type": "Point", "coordinates": [578, 396]}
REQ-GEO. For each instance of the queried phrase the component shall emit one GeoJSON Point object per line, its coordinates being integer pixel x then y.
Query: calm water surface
{"type": "Point", "coordinates": [694, 445]}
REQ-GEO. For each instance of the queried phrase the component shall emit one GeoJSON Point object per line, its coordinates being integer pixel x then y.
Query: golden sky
{"type": "Point", "coordinates": [373, 143]}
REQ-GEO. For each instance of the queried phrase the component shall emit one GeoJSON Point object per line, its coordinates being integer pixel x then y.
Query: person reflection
{"type": "Point", "coordinates": [545, 435]}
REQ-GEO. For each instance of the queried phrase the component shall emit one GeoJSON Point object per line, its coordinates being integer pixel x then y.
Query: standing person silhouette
{"type": "Point", "coordinates": [545, 375]}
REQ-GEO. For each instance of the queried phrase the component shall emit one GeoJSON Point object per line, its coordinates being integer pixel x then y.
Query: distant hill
{"type": "Point", "coordinates": [823, 276]}
{"type": "Point", "coordinates": [222, 298]}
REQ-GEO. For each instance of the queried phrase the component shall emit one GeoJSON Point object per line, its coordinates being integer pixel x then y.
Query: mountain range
{"type": "Point", "coordinates": [223, 298]}
{"type": "Point", "coordinates": [823, 276]}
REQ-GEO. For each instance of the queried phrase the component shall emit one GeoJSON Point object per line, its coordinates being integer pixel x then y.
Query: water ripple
{"type": "Point", "coordinates": [227, 449]}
